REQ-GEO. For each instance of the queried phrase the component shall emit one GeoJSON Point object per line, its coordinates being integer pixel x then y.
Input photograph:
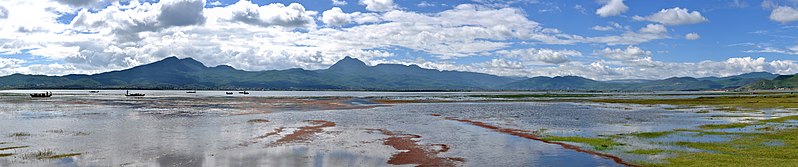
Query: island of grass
{"type": "Point", "coordinates": [765, 147]}
{"type": "Point", "coordinates": [728, 103]}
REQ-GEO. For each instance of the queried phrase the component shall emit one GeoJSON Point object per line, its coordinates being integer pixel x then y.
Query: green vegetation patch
{"type": "Point", "coordinates": [727, 102]}
{"type": "Point", "coordinates": [5, 155]}
{"type": "Point", "coordinates": [652, 134]}
{"type": "Point", "coordinates": [48, 154]}
{"type": "Point", "coordinates": [516, 96]}
{"type": "Point", "coordinates": [14, 147]}
{"type": "Point", "coordinates": [782, 119]}
{"type": "Point", "coordinates": [647, 151]}
{"type": "Point", "coordinates": [597, 143]}
{"type": "Point", "coordinates": [19, 134]}
{"type": "Point", "coordinates": [727, 126]}
{"type": "Point", "coordinates": [748, 150]}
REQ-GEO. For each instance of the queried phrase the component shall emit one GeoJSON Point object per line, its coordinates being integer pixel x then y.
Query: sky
{"type": "Point", "coordinates": [596, 39]}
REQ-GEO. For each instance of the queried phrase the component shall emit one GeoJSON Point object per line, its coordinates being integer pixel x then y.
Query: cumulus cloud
{"type": "Point", "coordinates": [784, 14]}
{"type": "Point", "coordinates": [654, 29]}
{"type": "Point", "coordinates": [534, 55]}
{"type": "Point", "coordinates": [631, 52]}
{"type": "Point", "coordinates": [674, 16]}
{"type": "Point", "coordinates": [337, 17]}
{"type": "Point", "coordinates": [379, 5]}
{"type": "Point", "coordinates": [692, 36]}
{"type": "Point", "coordinates": [276, 14]}
{"type": "Point", "coordinates": [182, 12]}
{"type": "Point", "coordinates": [612, 8]}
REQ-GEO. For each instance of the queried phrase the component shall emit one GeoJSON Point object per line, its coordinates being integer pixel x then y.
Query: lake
{"type": "Point", "coordinates": [311, 128]}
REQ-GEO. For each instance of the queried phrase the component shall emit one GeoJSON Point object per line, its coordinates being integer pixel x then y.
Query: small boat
{"type": "Point", "coordinates": [45, 94]}
{"type": "Point", "coordinates": [127, 93]}
{"type": "Point", "coordinates": [193, 91]}
{"type": "Point", "coordinates": [229, 93]}
{"type": "Point", "coordinates": [94, 91]}
{"type": "Point", "coordinates": [244, 92]}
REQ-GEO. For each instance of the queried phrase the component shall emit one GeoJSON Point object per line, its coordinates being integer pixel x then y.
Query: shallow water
{"type": "Point", "coordinates": [170, 128]}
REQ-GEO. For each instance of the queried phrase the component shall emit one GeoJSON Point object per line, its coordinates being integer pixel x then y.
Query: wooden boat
{"type": "Point", "coordinates": [127, 93]}
{"type": "Point", "coordinates": [229, 93]}
{"type": "Point", "coordinates": [45, 94]}
{"type": "Point", "coordinates": [244, 92]}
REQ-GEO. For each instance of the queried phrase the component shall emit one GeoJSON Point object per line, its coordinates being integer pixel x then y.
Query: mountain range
{"type": "Point", "coordinates": [352, 74]}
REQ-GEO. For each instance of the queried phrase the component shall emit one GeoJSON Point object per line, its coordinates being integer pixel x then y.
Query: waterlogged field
{"type": "Point", "coordinates": [210, 128]}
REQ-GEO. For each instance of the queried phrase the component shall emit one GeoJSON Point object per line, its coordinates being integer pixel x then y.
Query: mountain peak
{"type": "Point", "coordinates": [348, 63]}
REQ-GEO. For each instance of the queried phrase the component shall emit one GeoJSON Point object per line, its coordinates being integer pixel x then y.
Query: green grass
{"type": "Point", "coordinates": [726, 126]}
{"type": "Point", "coordinates": [597, 143]}
{"type": "Point", "coordinates": [515, 96]}
{"type": "Point", "coordinates": [782, 119]}
{"type": "Point", "coordinates": [47, 154]}
{"type": "Point", "coordinates": [748, 150]}
{"type": "Point", "coordinates": [647, 151]}
{"type": "Point", "coordinates": [14, 147]}
{"type": "Point", "coordinates": [5, 155]}
{"type": "Point", "coordinates": [652, 134]}
{"type": "Point", "coordinates": [729, 103]}
{"type": "Point", "coordinates": [702, 111]}
{"type": "Point", "coordinates": [19, 134]}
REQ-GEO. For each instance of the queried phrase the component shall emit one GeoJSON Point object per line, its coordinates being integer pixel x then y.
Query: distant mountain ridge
{"type": "Point", "coordinates": [353, 74]}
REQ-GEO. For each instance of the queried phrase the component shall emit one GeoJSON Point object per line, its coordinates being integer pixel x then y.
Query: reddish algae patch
{"type": "Point", "coordinates": [414, 153]}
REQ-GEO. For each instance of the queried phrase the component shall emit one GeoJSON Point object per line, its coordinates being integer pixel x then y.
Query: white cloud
{"type": "Point", "coordinates": [631, 52]}
{"type": "Point", "coordinates": [612, 8]}
{"type": "Point", "coordinates": [654, 29]}
{"type": "Point", "coordinates": [339, 2]}
{"type": "Point", "coordinates": [612, 26]}
{"type": "Point", "coordinates": [9, 63]}
{"type": "Point", "coordinates": [379, 5]}
{"type": "Point", "coordinates": [544, 55]}
{"type": "Point", "coordinates": [336, 17]}
{"type": "Point", "coordinates": [276, 14]}
{"type": "Point", "coordinates": [692, 36]}
{"type": "Point", "coordinates": [674, 16]}
{"type": "Point", "coordinates": [784, 14]}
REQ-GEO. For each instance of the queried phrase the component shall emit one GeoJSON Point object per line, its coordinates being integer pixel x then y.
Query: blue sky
{"type": "Point", "coordinates": [601, 39]}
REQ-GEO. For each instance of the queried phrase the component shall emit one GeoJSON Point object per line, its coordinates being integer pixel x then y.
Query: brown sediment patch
{"type": "Point", "coordinates": [437, 115]}
{"type": "Point", "coordinates": [303, 133]}
{"type": "Point", "coordinates": [392, 101]}
{"type": "Point", "coordinates": [527, 135]}
{"type": "Point", "coordinates": [415, 153]}
{"type": "Point", "coordinates": [258, 121]}
{"type": "Point", "coordinates": [255, 140]}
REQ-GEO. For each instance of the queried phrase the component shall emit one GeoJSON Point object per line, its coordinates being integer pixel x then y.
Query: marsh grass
{"type": "Point", "coordinates": [727, 126]}
{"type": "Point", "coordinates": [6, 154]}
{"type": "Point", "coordinates": [14, 147]}
{"type": "Point", "coordinates": [596, 143]}
{"type": "Point", "coordinates": [515, 96]}
{"type": "Point", "coordinates": [652, 134]}
{"type": "Point", "coordinates": [19, 134]}
{"type": "Point", "coordinates": [747, 150]}
{"type": "Point", "coordinates": [47, 154]}
{"type": "Point", "coordinates": [647, 151]}
{"type": "Point", "coordinates": [727, 103]}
